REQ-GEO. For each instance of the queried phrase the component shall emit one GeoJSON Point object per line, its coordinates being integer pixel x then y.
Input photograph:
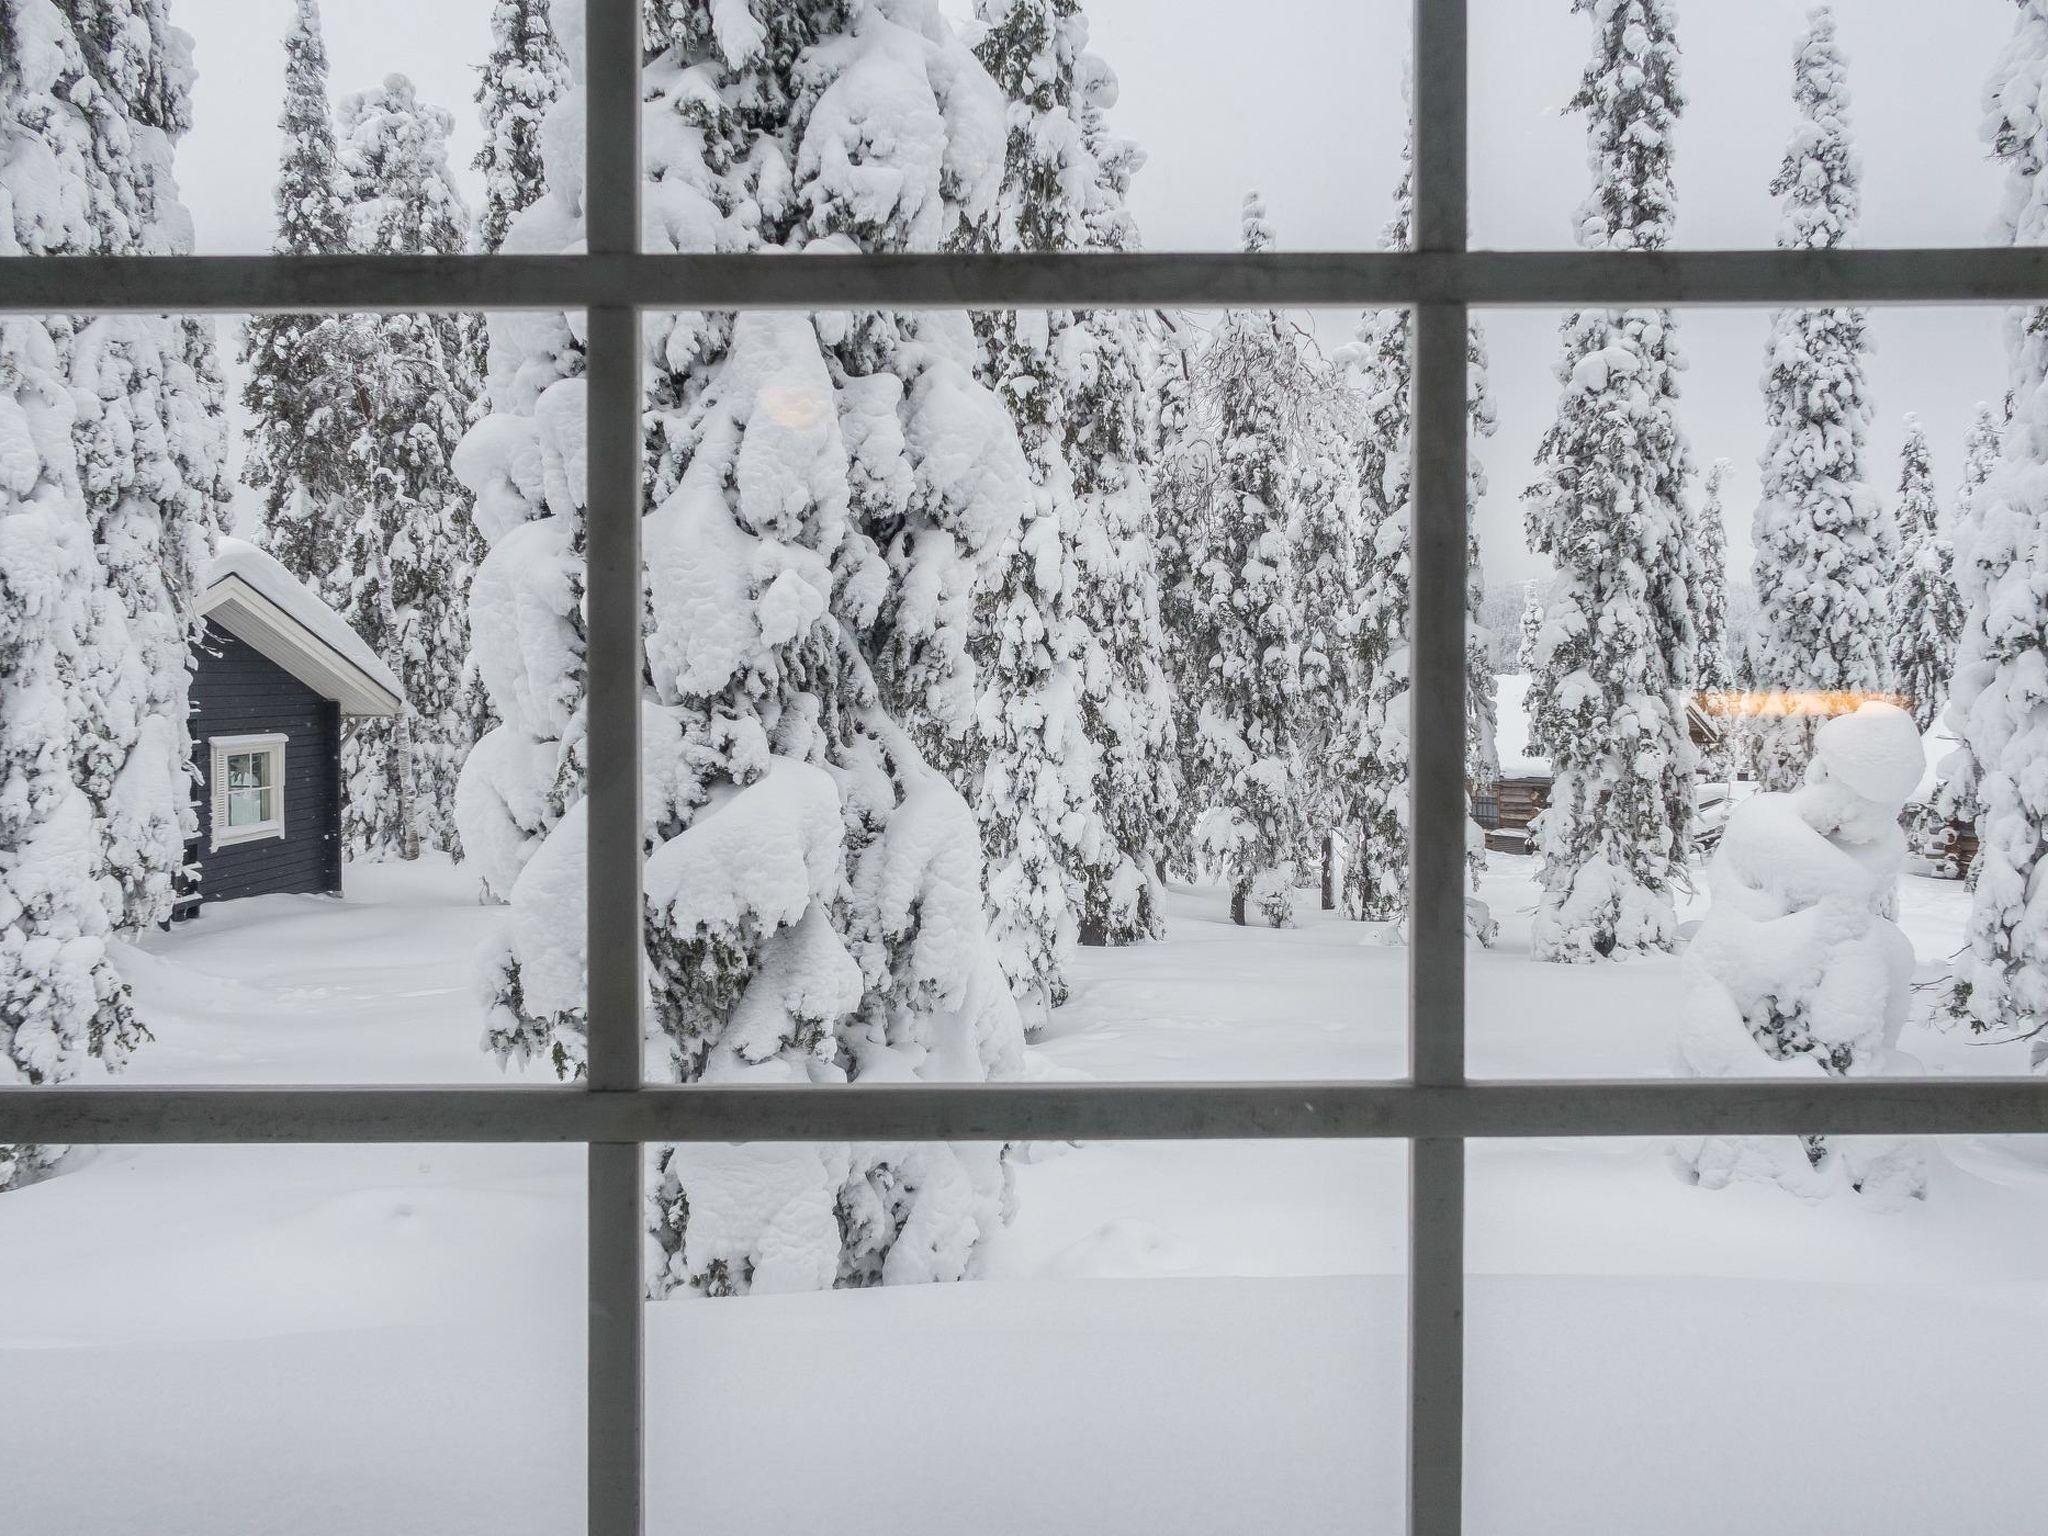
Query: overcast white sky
{"type": "Point", "coordinates": [1306, 105]}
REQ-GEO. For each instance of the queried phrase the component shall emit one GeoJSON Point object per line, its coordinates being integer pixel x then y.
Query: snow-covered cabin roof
{"type": "Point", "coordinates": [263, 605]}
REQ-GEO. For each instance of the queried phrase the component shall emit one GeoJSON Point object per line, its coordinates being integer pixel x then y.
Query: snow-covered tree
{"type": "Point", "coordinates": [520, 81]}
{"type": "Point", "coordinates": [1375, 757]}
{"type": "Point", "coordinates": [1531, 626]}
{"type": "Point", "coordinates": [409, 545]}
{"type": "Point", "coordinates": [1713, 669]}
{"type": "Point", "coordinates": [110, 495]}
{"type": "Point", "coordinates": [1037, 767]}
{"type": "Point", "coordinates": [827, 492]}
{"type": "Point", "coordinates": [1245, 611]}
{"type": "Point", "coordinates": [1797, 970]}
{"type": "Point", "coordinates": [293, 387]}
{"type": "Point", "coordinates": [1327, 556]}
{"type": "Point", "coordinates": [1926, 615]}
{"type": "Point", "coordinates": [1955, 795]}
{"type": "Point", "coordinates": [1999, 705]}
{"type": "Point", "coordinates": [1823, 547]}
{"type": "Point", "coordinates": [1072, 709]}
{"type": "Point", "coordinates": [1183, 465]}
{"type": "Point", "coordinates": [1615, 659]}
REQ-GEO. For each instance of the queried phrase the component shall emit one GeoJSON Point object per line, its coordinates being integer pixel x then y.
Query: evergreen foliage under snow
{"type": "Point", "coordinates": [827, 491]}
{"type": "Point", "coordinates": [1615, 657]}
{"type": "Point", "coordinates": [1072, 714]}
{"type": "Point", "coordinates": [293, 391]}
{"type": "Point", "coordinates": [1245, 768]}
{"type": "Point", "coordinates": [408, 546]}
{"type": "Point", "coordinates": [111, 442]}
{"type": "Point", "coordinates": [1823, 547]}
{"type": "Point", "coordinates": [520, 81]}
{"type": "Point", "coordinates": [2000, 703]}
{"type": "Point", "coordinates": [1926, 615]}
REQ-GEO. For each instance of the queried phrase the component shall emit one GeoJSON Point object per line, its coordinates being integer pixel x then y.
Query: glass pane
{"type": "Point", "coordinates": [1817, 590]}
{"type": "Point", "coordinates": [336, 1341]}
{"type": "Point", "coordinates": [1098, 724]}
{"type": "Point", "coordinates": [1914, 77]}
{"type": "Point", "coordinates": [1646, 1354]}
{"type": "Point", "coordinates": [403, 608]}
{"type": "Point", "coordinates": [1186, 1337]}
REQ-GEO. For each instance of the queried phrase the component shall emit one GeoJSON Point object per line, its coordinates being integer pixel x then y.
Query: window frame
{"type": "Point", "coordinates": [269, 745]}
{"type": "Point", "coordinates": [1435, 1108]}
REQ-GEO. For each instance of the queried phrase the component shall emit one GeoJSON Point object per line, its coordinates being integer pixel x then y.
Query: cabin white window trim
{"type": "Point", "coordinates": [261, 792]}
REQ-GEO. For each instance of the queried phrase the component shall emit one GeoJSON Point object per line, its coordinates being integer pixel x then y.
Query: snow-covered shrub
{"type": "Point", "coordinates": [1797, 969]}
{"type": "Point", "coordinates": [827, 491]}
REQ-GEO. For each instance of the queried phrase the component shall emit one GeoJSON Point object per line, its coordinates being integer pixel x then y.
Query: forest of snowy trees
{"type": "Point", "coordinates": [966, 634]}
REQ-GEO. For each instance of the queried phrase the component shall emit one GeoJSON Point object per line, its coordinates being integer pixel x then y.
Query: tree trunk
{"type": "Point", "coordinates": [1329, 872]}
{"type": "Point", "coordinates": [1237, 896]}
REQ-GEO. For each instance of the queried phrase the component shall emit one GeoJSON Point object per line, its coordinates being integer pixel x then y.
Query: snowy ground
{"type": "Point", "coordinates": [206, 1341]}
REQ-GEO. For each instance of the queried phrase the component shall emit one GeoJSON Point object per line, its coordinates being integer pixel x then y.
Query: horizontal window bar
{"type": "Point", "coordinates": [1020, 1112]}
{"type": "Point", "coordinates": [186, 284]}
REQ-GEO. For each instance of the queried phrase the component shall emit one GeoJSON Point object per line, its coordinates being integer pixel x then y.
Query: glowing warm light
{"type": "Point", "coordinates": [797, 409]}
{"type": "Point", "coordinates": [1792, 701]}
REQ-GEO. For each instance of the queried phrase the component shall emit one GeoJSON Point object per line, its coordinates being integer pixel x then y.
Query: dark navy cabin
{"type": "Point", "coordinates": [277, 677]}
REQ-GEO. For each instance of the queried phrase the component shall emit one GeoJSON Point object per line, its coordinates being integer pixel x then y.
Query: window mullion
{"type": "Point", "coordinates": [1436, 921]}
{"type": "Point", "coordinates": [614, 1365]}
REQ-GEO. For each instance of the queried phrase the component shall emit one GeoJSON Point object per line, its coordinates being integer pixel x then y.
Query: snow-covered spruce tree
{"type": "Point", "coordinates": [1032, 767]}
{"type": "Point", "coordinates": [1713, 668]}
{"type": "Point", "coordinates": [1926, 615]}
{"type": "Point", "coordinates": [1616, 655]}
{"type": "Point", "coordinates": [293, 386]}
{"type": "Point", "coordinates": [110, 495]}
{"type": "Point", "coordinates": [1114, 465]}
{"type": "Point", "coordinates": [1182, 461]}
{"type": "Point", "coordinates": [1955, 796]}
{"type": "Point", "coordinates": [520, 81]}
{"type": "Point", "coordinates": [409, 547]}
{"type": "Point", "coordinates": [825, 489]}
{"type": "Point", "coordinates": [1245, 611]}
{"type": "Point", "coordinates": [1999, 705]}
{"type": "Point", "coordinates": [1797, 969]}
{"type": "Point", "coordinates": [1531, 627]}
{"type": "Point", "coordinates": [1069, 719]}
{"type": "Point", "coordinates": [1823, 546]}
{"type": "Point", "coordinates": [1327, 556]}
{"type": "Point", "coordinates": [1375, 794]}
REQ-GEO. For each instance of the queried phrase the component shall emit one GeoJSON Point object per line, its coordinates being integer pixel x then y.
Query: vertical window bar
{"type": "Point", "coordinates": [1436, 927]}
{"type": "Point", "coordinates": [613, 1412]}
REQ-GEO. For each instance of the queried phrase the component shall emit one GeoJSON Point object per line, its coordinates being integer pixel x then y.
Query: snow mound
{"type": "Point", "coordinates": [1876, 751]}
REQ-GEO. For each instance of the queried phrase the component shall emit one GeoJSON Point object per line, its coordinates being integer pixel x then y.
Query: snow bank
{"type": "Point", "coordinates": [1797, 969]}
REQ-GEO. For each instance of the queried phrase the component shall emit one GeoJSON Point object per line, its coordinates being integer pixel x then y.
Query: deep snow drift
{"type": "Point", "coordinates": [335, 1341]}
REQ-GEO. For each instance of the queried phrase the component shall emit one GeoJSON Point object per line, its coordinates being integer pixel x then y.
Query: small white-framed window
{"type": "Point", "coordinates": [248, 788]}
